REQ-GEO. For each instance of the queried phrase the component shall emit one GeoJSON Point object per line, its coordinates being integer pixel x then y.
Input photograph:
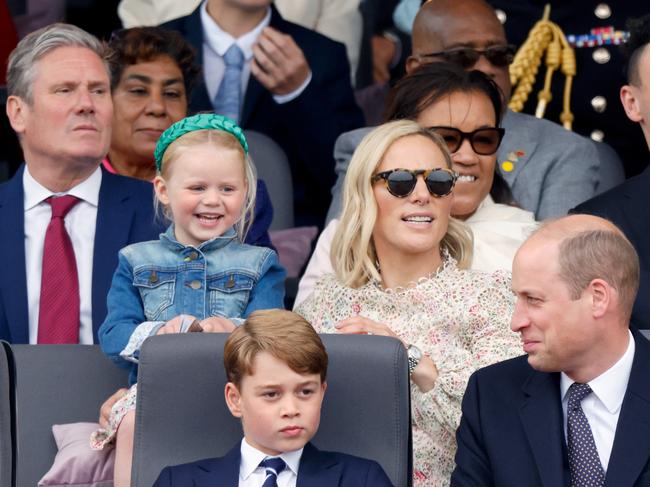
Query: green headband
{"type": "Point", "coordinates": [202, 121]}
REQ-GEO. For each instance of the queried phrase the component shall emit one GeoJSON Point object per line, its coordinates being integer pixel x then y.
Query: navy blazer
{"type": "Point", "coordinates": [511, 433]}
{"type": "Point", "coordinates": [306, 127]}
{"type": "Point", "coordinates": [124, 216]}
{"type": "Point", "coordinates": [317, 469]}
{"type": "Point", "coordinates": [627, 206]}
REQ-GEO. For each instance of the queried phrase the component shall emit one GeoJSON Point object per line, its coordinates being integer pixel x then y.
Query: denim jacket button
{"type": "Point", "coordinates": [195, 284]}
{"type": "Point", "coordinates": [231, 282]}
{"type": "Point", "coordinates": [194, 255]}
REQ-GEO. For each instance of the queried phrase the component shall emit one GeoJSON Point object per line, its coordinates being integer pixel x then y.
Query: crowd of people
{"type": "Point", "coordinates": [507, 254]}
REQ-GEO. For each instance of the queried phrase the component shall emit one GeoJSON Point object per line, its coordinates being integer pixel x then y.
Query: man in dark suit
{"type": "Point", "coordinates": [627, 204]}
{"type": "Point", "coordinates": [575, 410]}
{"type": "Point", "coordinates": [60, 106]}
{"type": "Point", "coordinates": [295, 88]}
{"type": "Point", "coordinates": [276, 366]}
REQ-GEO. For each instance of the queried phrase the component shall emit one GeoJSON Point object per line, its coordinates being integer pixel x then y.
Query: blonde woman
{"type": "Point", "coordinates": [400, 264]}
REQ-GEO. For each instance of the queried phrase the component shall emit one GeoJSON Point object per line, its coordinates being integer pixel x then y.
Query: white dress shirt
{"type": "Point", "coordinates": [217, 41]}
{"type": "Point", "coordinates": [603, 406]}
{"type": "Point", "coordinates": [80, 224]}
{"type": "Point", "coordinates": [252, 475]}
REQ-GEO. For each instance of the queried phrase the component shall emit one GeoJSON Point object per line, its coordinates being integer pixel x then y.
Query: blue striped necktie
{"type": "Point", "coordinates": [273, 467]}
{"type": "Point", "coordinates": [229, 96]}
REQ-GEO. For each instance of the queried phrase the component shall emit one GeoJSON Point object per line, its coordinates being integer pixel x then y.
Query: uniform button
{"type": "Point", "coordinates": [601, 55]}
{"type": "Point", "coordinates": [599, 104]}
{"type": "Point", "coordinates": [195, 284]}
{"type": "Point", "coordinates": [501, 15]}
{"type": "Point", "coordinates": [597, 135]}
{"type": "Point", "coordinates": [602, 11]}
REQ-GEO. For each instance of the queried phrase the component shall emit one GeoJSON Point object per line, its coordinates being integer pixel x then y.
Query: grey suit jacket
{"type": "Point", "coordinates": [549, 169]}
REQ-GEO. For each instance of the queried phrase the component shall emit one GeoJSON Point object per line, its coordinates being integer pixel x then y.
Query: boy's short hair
{"type": "Point", "coordinates": [284, 334]}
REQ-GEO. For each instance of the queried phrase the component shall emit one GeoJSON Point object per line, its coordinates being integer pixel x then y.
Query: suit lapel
{"type": "Point", "coordinates": [219, 471]}
{"type": "Point", "coordinates": [631, 449]}
{"type": "Point", "coordinates": [317, 470]}
{"type": "Point", "coordinates": [517, 146]}
{"type": "Point", "coordinates": [192, 31]}
{"type": "Point", "coordinates": [115, 213]}
{"type": "Point", "coordinates": [13, 282]}
{"type": "Point", "coordinates": [541, 416]}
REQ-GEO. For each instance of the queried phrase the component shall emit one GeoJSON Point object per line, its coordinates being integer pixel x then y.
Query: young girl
{"type": "Point", "coordinates": [198, 276]}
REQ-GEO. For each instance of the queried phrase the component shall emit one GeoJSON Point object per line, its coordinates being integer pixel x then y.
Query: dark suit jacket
{"type": "Point", "coordinates": [511, 432]}
{"type": "Point", "coordinates": [124, 216]}
{"type": "Point", "coordinates": [317, 469]}
{"type": "Point", "coordinates": [627, 206]}
{"type": "Point", "coordinates": [306, 127]}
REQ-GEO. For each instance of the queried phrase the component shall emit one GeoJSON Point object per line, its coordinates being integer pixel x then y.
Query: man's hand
{"type": "Point", "coordinates": [105, 410]}
{"type": "Point", "coordinates": [278, 63]}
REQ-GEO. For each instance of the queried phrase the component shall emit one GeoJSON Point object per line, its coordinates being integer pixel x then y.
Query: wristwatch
{"type": "Point", "coordinates": [414, 355]}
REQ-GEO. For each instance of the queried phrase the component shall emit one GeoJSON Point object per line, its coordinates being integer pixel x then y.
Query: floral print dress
{"type": "Point", "coordinates": [459, 318]}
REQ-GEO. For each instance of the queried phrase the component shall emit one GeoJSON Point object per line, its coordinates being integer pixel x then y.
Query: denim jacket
{"type": "Point", "coordinates": [158, 280]}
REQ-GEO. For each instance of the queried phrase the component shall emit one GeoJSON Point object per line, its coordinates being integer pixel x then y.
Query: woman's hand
{"type": "Point", "coordinates": [174, 325]}
{"type": "Point", "coordinates": [425, 374]}
{"type": "Point", "coordinates": [364, 326]}
{"type": "Point", "coordinates": [217, 324]}
{"type": "Point", "coordinates": [105, 409]}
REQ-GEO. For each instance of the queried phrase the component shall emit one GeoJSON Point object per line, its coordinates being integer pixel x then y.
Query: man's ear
{"type": "Point", "coordinates": [601, 297]}
{"type": "Point", "coordinates": [16, 112]}
{"type": "Point", "coordinates": [630, 103]}
{"type": "Point", "coordinates": [233, 399]}
{"type": "Point", "coordinates": [412, 63]}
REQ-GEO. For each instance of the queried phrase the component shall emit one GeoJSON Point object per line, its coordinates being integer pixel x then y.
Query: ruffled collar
{"type": "Point", "coordinates": [448, 264]}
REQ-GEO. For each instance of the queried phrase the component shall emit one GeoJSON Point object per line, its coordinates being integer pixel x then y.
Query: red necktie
{"type": "Point", "coordinates": [58, 319]}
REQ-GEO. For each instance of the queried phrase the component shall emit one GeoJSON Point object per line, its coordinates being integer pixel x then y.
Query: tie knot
{"type": "Point", "coordinates": [273, 466]}
{"type": "Point", "coordinates": [577, 392]}
{"type": "Point", "coordinates": [234, 56]}
{"type": "Point", "coordinates": [61, 205]}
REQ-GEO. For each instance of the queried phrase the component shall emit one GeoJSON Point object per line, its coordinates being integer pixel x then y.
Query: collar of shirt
{"type": "Point", "coordinates": [251, 458]}
{"type": "Point", "coordinates": [35, 193]}
{"type": "Point", "coordinates": [610, 386]}
{"type": "Point", "coordinates": [220, 41]}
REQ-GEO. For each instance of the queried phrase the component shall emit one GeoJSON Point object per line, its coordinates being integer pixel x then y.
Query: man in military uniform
{"type": "Point", "coordinates": [627, 204]}
{"type": "Point", "coordinates": [595, 29]}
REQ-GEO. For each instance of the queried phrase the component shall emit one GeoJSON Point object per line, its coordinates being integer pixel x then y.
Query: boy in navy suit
{"type": "Point", "coordinates": [276, 366]}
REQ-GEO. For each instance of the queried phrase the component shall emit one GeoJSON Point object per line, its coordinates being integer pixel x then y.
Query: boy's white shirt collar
{"type": "Point", "coordinates": [251, 458]}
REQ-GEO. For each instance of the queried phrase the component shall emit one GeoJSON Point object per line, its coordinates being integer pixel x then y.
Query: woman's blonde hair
{"type": "Point", "coordinates": [353, 253]}
{"type": "Point", "coordinates": [220, 140]}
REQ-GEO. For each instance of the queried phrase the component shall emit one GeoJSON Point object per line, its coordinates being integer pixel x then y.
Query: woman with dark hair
{"type": "Point", "coordinates": [464, 108]}
{"type": "Point", "coordinates": [152, 74]}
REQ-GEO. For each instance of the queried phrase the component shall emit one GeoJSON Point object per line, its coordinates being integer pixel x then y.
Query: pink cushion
{"type": "Point", "coordinates": [75, 463]}
{"type": "Point", "coordinates": [294, 247]}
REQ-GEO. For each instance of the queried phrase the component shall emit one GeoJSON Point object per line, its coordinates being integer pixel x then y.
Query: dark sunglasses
{"type": "Point", "coordinates": [466, 57]}
{"type": "Point", "coordinates": [484, 141]}
{"type": "Point", "coordinates": [401, 182]}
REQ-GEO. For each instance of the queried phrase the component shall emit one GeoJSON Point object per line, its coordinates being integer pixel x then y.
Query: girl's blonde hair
{"type": "Point", "coordinates": [220, 140]}
{"type": "Point", "coordinates": [353, 253]}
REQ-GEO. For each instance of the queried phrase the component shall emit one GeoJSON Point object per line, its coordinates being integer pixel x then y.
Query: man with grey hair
{"type": "Point", "coordinates": [64, 218]}
{"type": "Point", "coordinates": [576, 409]}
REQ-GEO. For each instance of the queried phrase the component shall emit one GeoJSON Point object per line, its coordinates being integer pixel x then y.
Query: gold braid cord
{"type": "Point", "coordinates": [544, 36]}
